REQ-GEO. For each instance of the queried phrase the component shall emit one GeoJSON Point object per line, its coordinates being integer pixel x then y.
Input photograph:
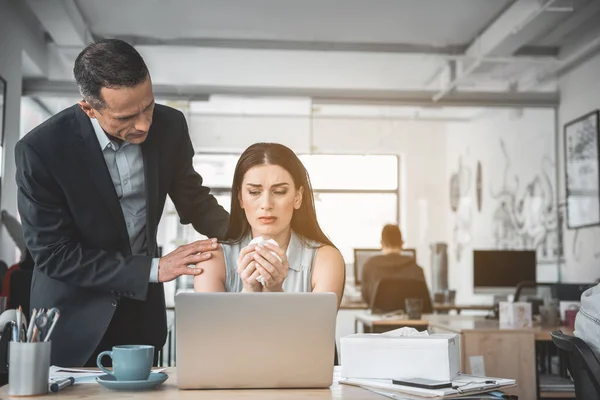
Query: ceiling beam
{"type": "Point", "coordinates": [509, 23]}
{"type": "Point", "coordinates": [450, 52]}
{"type": "Point", "coordinates": [491, 41]}
{"type": "Point", "coordinates": [579, 17]}
{"type": "Point", "coordinates": [63, 21]}
{"type": "Point", "coordinates": [261, 44]}
{"type": "Point", "coordinates": [37, 87]}
{"type": "Point", "coordinates": [575, 58]}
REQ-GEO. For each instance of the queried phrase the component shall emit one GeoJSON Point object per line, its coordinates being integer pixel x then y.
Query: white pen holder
{"type": "Point", "coordinates": [28, 368]}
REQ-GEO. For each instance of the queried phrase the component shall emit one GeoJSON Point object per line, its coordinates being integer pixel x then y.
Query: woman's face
{"type": "Point", "coordinates": [269, 198]}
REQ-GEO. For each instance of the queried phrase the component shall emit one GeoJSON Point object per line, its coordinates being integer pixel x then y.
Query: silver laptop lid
{"type": "Point", "coordinates": [255, 340]}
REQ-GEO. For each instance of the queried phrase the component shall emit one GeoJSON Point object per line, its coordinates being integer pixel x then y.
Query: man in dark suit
{"type": "Point", "coordinates": [92, 183]}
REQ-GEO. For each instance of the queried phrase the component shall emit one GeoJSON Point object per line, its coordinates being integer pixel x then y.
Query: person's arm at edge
{"type": "Point", "coordinates": [193, 201]}
{"type": "Point", "coordinates": [329, 272]}
{"type": "Point", "coordinates": [213, 277]}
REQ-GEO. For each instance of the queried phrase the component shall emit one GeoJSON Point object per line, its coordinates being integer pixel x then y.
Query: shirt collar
{"type": "Point", "coordinates": [103, 137]}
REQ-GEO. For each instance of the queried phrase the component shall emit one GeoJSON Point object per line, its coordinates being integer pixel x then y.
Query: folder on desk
{"type": "Point", "coordinates": [462, 385]}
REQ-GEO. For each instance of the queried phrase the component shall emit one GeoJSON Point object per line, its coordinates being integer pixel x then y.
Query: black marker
{"type": "Point", "coordinates": [63, 383]}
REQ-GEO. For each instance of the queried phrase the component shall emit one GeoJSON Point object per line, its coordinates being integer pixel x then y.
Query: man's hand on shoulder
{"type": "Point", "coordinates": [177, 262]}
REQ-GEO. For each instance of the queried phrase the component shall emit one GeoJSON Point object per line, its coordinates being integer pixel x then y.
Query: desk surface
{"type": "Point", "coordinates": [348, 304]}
{"type": "Point", "coordinates": [169, 391]}
{"type": "Point", "coordinates": [459, 324]}
{"type": "Point", "coordinates": [460, 307]}
{"type": "Point", "coordinates": [353, 304]}
{"type": "Point", "coordinates": [377, 320]}
{"type": "Point", "coordinates": [462, 323]}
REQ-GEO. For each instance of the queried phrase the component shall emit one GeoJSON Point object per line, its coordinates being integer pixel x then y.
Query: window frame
{"type": "Point", "coordinates": [220, 190]}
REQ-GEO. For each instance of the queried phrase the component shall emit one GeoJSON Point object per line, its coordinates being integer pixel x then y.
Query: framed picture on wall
{"type": "Point", "coordinates": [2, 108]}
{"type": "Point", "coordinates": [582, 171]}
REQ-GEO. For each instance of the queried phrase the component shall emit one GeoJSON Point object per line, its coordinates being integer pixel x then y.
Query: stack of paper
{"type": "Point", "coordinates": [81, 375]}
{"type": "Point", "coordinates": [401, 396]}
{"type": "Point", "coordinates": [461, 386]}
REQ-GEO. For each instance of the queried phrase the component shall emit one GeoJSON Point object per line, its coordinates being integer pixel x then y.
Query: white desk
{"type": "Point", "coordinates": [169, 391]}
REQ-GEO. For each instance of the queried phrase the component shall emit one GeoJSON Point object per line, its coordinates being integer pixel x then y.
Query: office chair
{"type": "Point", "coordinates": [528, 284]}
{"type": "Point", "coordinates": [390, 294]}
{"type": "Point", "coordinates": [20, 290]}
{"type": "Point", "coordinates": [583, 365]}
{"type": "Point", "coordinates": [3, 269]}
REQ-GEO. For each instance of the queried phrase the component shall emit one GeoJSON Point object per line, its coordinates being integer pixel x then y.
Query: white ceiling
{"type": "Point", "coordinates": [397, 51]}
{"type": "Point", "coordinates": [421, 22]}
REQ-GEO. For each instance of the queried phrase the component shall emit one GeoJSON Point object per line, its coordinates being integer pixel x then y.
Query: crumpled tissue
{"type": "Point", "coordinates": [260, 241]}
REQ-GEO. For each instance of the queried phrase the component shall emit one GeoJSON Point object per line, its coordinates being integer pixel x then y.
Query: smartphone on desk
{"type": "Point", "coordinates": [422, 383]}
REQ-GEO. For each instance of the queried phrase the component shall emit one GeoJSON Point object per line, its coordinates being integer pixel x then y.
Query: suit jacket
{"type": "Point", "coordinates": [75, 229]}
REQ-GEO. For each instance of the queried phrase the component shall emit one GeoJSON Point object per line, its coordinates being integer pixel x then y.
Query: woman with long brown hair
{"type": "Point", "coordinates": [272, 201]}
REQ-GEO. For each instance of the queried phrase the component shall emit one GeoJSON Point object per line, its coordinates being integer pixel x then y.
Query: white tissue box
{"type": "Point", "coordinates": [384, 356]}
{"type": "Point", "coordinates": [515, 315]}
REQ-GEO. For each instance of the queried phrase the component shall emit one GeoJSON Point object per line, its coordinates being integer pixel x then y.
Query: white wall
{"type": "Point", "coordinates": [579, 90]}
{"type": "Point", "coordinates": [516, 150]}
{"type": "Point", "coordinates": [20, 37]}
{"type": "Point", "coordinates": [420, 145]}
{"type": "Point", "coordinates": [10, 70]}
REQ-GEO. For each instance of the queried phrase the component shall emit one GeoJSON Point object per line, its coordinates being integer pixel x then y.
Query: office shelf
{"type": "Point", "coordinates": [556, 387]}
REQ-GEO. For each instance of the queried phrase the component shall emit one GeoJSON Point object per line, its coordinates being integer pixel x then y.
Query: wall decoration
{"type": "Point", "coordinates": [461, 205]}
{"type": "Point", "coordinates": [526, 218]}
{"type": "Point", "coordinates": [479, 186]}
{"type": "Point", "coordinates": [582, 171]}
{"type": "Point", "coordinates": [2, 109]}
{"type": "Point", "coordinates": [454, 192]}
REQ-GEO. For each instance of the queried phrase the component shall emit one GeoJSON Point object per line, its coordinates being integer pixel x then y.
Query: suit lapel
{"type": "Point", "coordinates": [93, 160]}
{"type": "Point", "coordinates": [150, 154]}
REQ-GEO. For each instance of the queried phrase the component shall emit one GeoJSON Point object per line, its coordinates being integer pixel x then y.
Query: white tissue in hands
{"type": "Point", "coordinates": [261, 280]}
{"type": "Point", "coordinates": [260, 241]}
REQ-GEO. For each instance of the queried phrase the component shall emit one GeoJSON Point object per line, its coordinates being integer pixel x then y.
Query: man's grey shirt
{"type": "Point", "coordinates": [125, 164]}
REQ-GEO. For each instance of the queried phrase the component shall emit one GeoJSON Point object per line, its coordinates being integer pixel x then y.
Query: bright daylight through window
{"type": "Point", "coordinates": [355, 195]}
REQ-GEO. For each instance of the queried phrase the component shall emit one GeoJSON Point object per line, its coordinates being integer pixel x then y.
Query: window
{"type": "Point", "coordinates": [355, 195]}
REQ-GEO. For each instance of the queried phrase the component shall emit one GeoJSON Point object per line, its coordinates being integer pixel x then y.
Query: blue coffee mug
{"type": "Point", "coordinates": [130, 362]}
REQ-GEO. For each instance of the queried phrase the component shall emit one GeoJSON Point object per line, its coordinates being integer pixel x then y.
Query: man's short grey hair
{"type": "Point", "coordinates": [108, 63]}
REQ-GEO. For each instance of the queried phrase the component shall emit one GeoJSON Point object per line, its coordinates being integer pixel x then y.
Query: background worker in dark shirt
{"type": "Point", "coordinates": [391, 264]}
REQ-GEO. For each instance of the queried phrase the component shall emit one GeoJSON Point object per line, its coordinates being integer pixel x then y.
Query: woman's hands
{"type": "Point", "coordinates": [255, 261]}
{"type": "Point", "coordinates": [272, 267]}
{"type": "Point", "coordinates": [247, 270]}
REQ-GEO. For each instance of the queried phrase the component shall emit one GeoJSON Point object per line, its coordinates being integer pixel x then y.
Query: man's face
{"type": "Point", "coordinates": [127, 114]}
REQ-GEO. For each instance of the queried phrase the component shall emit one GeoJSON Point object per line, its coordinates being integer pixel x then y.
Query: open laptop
{"type": "Point", "coordinates": [255, 340]}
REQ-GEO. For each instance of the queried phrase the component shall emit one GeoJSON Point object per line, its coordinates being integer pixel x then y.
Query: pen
{"type": "Point", "coordinates": [15, 331]}
{"type": "Point", "coordinates": [18, 324]}
{"type": "Point", "coordinates": [31, 325]}
{"type": "Point", "coordinates": [56, 316]}
{"type": "Point", "coordinates": [63, 383]}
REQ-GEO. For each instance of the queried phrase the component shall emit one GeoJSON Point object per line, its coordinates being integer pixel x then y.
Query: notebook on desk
{"type": "Point", "coordinates": [255, 340]}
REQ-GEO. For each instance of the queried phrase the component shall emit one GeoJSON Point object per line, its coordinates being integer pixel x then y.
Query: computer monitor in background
{"type": "Point", "coordinates": [569, 291]}
{"type": "Point", "coordinates": [362, 255]}
{"type": "Point", "coordinates": [500, 271]}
